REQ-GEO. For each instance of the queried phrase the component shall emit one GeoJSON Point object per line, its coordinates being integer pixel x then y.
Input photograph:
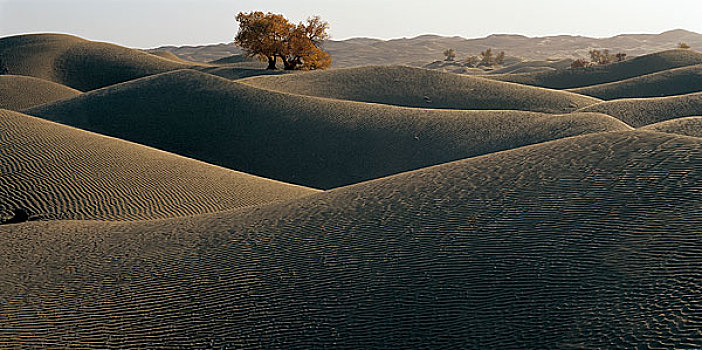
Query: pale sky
{"type": "Point", "coordinates": [152, 23]}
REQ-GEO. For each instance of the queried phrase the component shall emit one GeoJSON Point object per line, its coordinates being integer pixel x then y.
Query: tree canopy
{"type": "Point", "coordinates": [271, 36]}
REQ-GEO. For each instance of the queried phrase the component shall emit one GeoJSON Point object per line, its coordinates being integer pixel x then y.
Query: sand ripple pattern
{"type": "Point", "coordinates": [315, 142]}
{"type": "Point", "coordinates": [58, 172]}
{"type": "Point", "coordinates": [423, 88]}
{"type": "Point", "coordinates": [690, 126]}
{"type": "Point", "coordinates": [586, 242]}
{"type": "Point", "coordinates": [638, 112]}
{"type": "Point", "coordinates": [20, 92]}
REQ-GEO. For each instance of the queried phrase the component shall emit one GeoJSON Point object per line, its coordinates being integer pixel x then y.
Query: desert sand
{"type": "Point", "coordinates": [153, 202]}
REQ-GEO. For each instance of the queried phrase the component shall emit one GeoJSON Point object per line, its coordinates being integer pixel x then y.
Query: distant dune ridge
{"type": "Point", "coordinates": [669, 82]}
{"type": "Point", "coordinates": [643, 111]}
{"type": "Point", "coordinates": [54, 172]}
{"type": "Point", "coordinates": [19, 92]}
{"type": "Point", "coordinates": [576, 78]}
{"type": "Point", "coordinates": [167, 55]}
{"type": "Point", "coordinates": [585, 242]}
{"type": "Point", "coordinates": [321, 143]}
{"type": "Point", "coordinates": [690, 126]}
{"type": "Point", "coordinates": [81, 64]}
{"type": "Point", "coordinates": [423, 49]}
{"type": "Point", "coordinates": [415, 87]}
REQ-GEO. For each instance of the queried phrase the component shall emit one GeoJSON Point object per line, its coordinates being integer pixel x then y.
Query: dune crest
{"type": "Point", "coordinates": [689, 126]}
{"type": "Point", "coordinates": [18, 92]}
{"type": "Point", "coordinates": [669, 82]}
{"type": "Point", "coordinates": [316, 142]}
{"type": "Point", "coordinates": [638, 112]}
{"type": "Point", "coordinates": [52, 171]}
{"type": "Point", "coordinates": [553, 245]}
{"type": "Point", "coordinates": [80, 64]}
{"type": "Point", "coordinates": [577, 78]}
{"type": "Point", "coordinates": [423, 88]}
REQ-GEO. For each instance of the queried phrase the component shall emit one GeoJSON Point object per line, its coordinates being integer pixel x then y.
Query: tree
{"type": "Point", "coordinates": [487, 58]}
{"type": "Point", "coordinates": [580, 63]}
{"type": "Point", "coordinates": [595, 55]}
{"type": "Point", "coordinates": [271, 37]}
{"type": "Point", "coordinates": [500, 59]}
{"type": "Point", "coordinates": [683, 45]}
{"type": "Point", "coordinates": [450, 55]}
{"type": "Point", "coordinates": [472, 61]}
{"type": "Point", "coordinates": [620, 56]}
{"type": "Point", "coordinates": [603, 57]}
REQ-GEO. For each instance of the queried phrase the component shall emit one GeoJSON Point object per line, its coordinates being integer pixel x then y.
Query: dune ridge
{"type": "Point", "coordinates": [19, 92]}
{"type": "Point", "coordinates": [80, 64]}
{"type": "Point", "coordinates": [423, 88]}
{"type": "Point", "coordinates": [689, 126]}
{"type": "Point", "coordinates": [577, 78]}
{"type": "Point", "coordinates": [670, 82]}
{"type": "Point", "coordinates": [638, 112]}
{"type": "Point", "coordinates": [588, 242]}
{"type": "Point", "coordinates": [316, 142]}
{"type": "Point", "coordinates": [56, 172]}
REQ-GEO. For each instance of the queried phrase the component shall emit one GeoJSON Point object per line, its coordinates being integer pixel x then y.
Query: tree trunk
{"type": "Point", "coordinates": [290, 64]}
{"type": "Point", "coordinates": [271, 63]}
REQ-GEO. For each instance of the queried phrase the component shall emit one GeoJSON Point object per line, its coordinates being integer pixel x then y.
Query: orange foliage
{"type": "Point", "coordinates": [271, 36]}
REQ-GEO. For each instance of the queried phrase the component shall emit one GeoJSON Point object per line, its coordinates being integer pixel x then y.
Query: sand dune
{"type": "Point", "coordinates": [524, 67]}
{"type": "Point", "coordinates": [423, 49]}
{"type": "Point", "coordinates": [235, 73]}
{"type": "Point", "coordinates": [57, 172]}
{"type": "Point", "coordinates": [585, 242]}
{"type": "Point", "coordinates": [666, 83]}
{"type": "Point", "coordinates": [415, 87]}
{"type": "Point", "coordinates": [81, 64]}
{"type": "Point", "coordinates": [575, 78]}
{"type": "Point", "coordinates": [321, 143]}
{"type": "Point", "coordinates": [689, 126]}
{"type": "Point", "coordinates": [20, 92]}
{"type": "Point", "coordinates": [241, 61]}
{"type": "Point", "coordinates": [167, 55]}
{"type": "Point", "coordinates": [643, 111]}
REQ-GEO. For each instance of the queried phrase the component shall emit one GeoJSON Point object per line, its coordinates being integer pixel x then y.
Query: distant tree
{"type": "Point", "coordinates": [580, 63]}
{"type": "Point", "coordinates": [595, 55]}
{"type": "Point", "coordinates": [500, 59]}
{"type": "Point", "coordinates": [620, 56]}
{"type": "Point", "coordinates": [271, 37]}
{"type": "Point", "coordinates": [487, 59]}
{"type": "Point", "coordinates": [683, 45]}
{"type": "Point", "coordinates": [472, 61]}
{"type": "Point", "coordinates": [603, 57]}
{"type": "Point", "coordinates": [450, 55]}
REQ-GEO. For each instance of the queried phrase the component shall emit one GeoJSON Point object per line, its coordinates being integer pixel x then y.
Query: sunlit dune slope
{"type": "Point", "coordinates": [643, 111]}
{"type": "Point", "coordinates": [81, 64]}
{"type": "Point", "coordinates": [20, 92]}
{"type": "Point", "coordinates": [234, 73]}
{"type": "Point", "coordinates": [585, 242]}
{"type": "Point", "coordinates": [665, 83]}
{"type": "Point", "coordinates": [690, 126]}
{"type": "Point", "coordinates": [522, 67]}
{"type": "Point", "coordinates": [321, 143]}
{"type": "Point", "coordinates": [574, 78]}
{"type": "Point", "coordinates": [424, 88]}
{"type": "Point", "coordinates": [168, 55]}
{"type": "Point", "coordinates": [54, 171]}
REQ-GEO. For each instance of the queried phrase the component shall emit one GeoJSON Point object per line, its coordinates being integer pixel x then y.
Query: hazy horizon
{"type": "Point", "coordinates": [153, 23]}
